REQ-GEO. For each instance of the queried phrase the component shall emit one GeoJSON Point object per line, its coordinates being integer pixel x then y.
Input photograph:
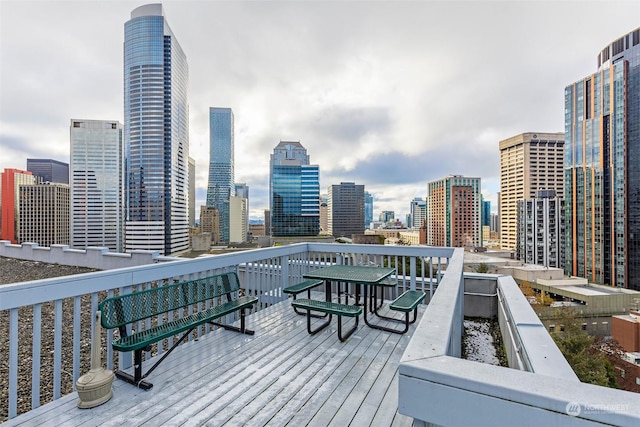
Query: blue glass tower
{"type": "Point", "coordinates": [602, 174]}
{"type": "Point", "coordinates": [368, 209]}
{"type": "Point", "coordinates": [294, 186]}
{"type": "Point", "coordinates": [486, 213]}
{"type": "Point", "coordinates": [156, 134]}
{"type": "Point", "coordinates": [221, 180]}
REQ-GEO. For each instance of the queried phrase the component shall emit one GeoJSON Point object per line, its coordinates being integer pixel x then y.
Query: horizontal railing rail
{"type": "Point", "coordinates": [48, 323]}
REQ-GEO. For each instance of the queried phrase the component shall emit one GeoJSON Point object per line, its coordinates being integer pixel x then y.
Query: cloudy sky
{"type": "Point", "coordinates": [389, 94]}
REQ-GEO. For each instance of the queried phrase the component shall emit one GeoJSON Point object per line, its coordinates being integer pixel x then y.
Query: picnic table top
{"type": "Point", "coordinates": [351, 273]}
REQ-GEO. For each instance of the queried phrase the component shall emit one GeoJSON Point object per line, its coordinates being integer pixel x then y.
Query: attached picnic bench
{"type": "Point", "coordinates": [118, 312]}
{"type": "Point", "coordinates": [330, 308]}
{"type": "Point", "coordinates": [298, 288]}
{"type": "Point", "coordinates": [406, 303]}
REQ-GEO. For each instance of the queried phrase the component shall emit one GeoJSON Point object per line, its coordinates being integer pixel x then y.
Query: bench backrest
{"type": "Point", "coordinates": [124, 309]}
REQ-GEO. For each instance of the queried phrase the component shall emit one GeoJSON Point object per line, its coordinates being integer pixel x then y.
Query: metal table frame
{"type": "Point", "coordinates": [358, 275]}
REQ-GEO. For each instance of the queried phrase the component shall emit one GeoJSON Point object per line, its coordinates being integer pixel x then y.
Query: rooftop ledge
{"type": "Point", "coordinates": [539, 387]}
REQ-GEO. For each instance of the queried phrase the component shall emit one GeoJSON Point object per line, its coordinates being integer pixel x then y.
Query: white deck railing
{"type": "Point", "coordinates": [50, 321]}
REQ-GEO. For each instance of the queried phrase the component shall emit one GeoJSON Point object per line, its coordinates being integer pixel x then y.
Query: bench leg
{"type": "Point", "coordinates": [242, 329]}
{"type": "Point", "coordinates": [349, 332]}
{"type": "Point", "coordinates": [319, 328]}
{"type": "Point", "coordinates": [137, 378]}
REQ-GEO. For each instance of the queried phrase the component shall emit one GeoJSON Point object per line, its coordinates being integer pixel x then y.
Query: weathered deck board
{"type": "Point", "coordinates": [280, 376]}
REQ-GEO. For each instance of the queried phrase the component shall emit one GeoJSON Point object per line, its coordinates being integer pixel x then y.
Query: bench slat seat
{"type": "Point", "coordinates": [408, 301]}
{"type": "Point", "coordinates": [302, 286]}
{"type": "Point", "coordinates": [307, 285]}
{"type": "Point", "coordinates": [330, 308]}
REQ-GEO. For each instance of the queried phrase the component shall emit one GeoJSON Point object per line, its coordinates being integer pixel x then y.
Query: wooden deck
{"type": "Point", "coordinates": [280, 376]}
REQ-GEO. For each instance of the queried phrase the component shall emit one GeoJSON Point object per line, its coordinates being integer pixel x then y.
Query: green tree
{"type": "Point", "coordinates": [582, 351]}
{"type": "Point", "coordinates": [482, 268]}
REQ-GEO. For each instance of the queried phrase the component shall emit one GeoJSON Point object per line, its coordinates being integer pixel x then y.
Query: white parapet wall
{"type": "Point", "coordinates": [91, 257]}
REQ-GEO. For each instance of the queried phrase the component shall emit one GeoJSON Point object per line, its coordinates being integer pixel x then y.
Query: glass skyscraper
{"type": "Point", "coordinates": [221, 175]}
{"type": "Point", "coordinates": [602, 172]}
{"type": "Point", "coordinates": [368, 209]}
{"type": "Point", "coordinates": [97, 177]}
{"type": "Point", "coordinates": [156, 134]}
{"type": "Point", "coordinates": [294, 188]}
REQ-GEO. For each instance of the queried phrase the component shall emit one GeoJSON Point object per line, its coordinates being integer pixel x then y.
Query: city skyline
{"type": "Point", "coordinates": [388, 86]}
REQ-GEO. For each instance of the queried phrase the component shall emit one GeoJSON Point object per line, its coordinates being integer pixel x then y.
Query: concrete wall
{"type": "Point", "coordinates": [92, 257]}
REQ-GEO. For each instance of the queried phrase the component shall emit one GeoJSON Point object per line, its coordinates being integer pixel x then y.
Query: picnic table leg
{"type": "Point", "coordinates": [384, 328]}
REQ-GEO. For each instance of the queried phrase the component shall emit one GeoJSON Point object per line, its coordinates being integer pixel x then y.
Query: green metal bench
{"type": "Point", "coordinates": [330, 308]}
{"type": "Point", "coordinates": [298, 288]}
{"type": "Point", "coordinates": [407, 302]}
{"type": "Point", "coordinates": [118, 312]}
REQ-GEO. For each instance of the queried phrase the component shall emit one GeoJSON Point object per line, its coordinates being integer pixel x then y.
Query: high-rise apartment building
{"type": "Point", "coordinates": [541, 230]}
{"type": "Point", "coordinates": [10, 182]}
{"type": "Point", "coordinates": [345, 209]}
{"type": "Point", "coordinates": [156, 134]}
{"type": "Point", "coordinates": [454, 210]}
{"type": "Point", "coordinates": [44, 214]}
{"type": "Point", "coordinates": [418, 213]}
{"type": "Point", "coordinates": [294, 188]}
{"type": "Point", "coordinates": [528, 162]}
{"type": "Point", "coordinates": [602, 172]}
{"type": "Point", "coordinates": [221, 161]}
{"type": "Point", "coordinates": [368, 209]}
{"type": "Point", "coordinates": [97, 183]}
{"type": "Point", "coordinates": [49, 170]}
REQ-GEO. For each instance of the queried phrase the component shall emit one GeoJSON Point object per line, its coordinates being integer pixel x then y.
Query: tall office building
{"type": "Point", "coordinates": [239, 220]}
{"type": "Point", "coordinates": [418, 213]}
{"type": "Point", "coordinates": [541, 230]}
{"type": "Point", "coordinates": [49, 170]}
{"type": "Point", "coordinates": [454, 210]}
{"type": "Point", "coordinates": [528, 162]}
{"type": "Point", "coordinates": [602, 172]}
{"type": "Point", "coordinates": [44, 214]}
{"type": "Point", "coordinates": [221, 160]}
{"type": "Point", "coordinates": [294, 188]}
{"type": "Point", "coordinates": [345, 209]}
{"type": "Point", "coordinates": [156, 134]}
{"type": "Point", "coordinates": [10, 182]}
{"type": "Point", "coordinates": [97, 182]}
{"type": "Point", "coordinates": [368, 209]}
